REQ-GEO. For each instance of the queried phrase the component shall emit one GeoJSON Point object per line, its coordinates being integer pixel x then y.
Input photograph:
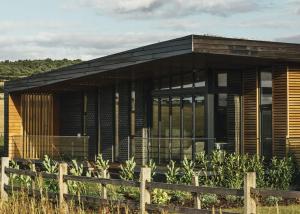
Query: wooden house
{"type": "Point", "coordinates": [162, 101]}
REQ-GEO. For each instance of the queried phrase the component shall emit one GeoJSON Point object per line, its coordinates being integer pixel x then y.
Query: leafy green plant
{"type": "Point", "coordinates": [256, 164]}
{"type": "Point", "coordinates": [202, 164]}
{"type": "Point", "coordinates": [172, 173]}
{"type": "Point", "coordinates": [188, 168]}
{"type": "Point", "coordinates": [127, 170]}
{"type": "Point", "coordinates": [280, 174]}
{"type": "Point", "coordinates": [50, 166]}
{"type": "Point", "coordinates": [160, 196]}
{"type": "Point", "coordinates": [208, 200]}
{"type": "Point", "coordinates": [101, 166]}
{"type": "Point", "coordinates": [234, 170]}
{"type": "Point", "coordinates": [76, 187]}
{"type": "Point", "coordinates": [22, 180]}
{"type": "Point", "coordinates": [217, 160]}
{"type": "Point", "coordinates": [152, 166]}
{"type": "Point", "coordinates": [272, 200]}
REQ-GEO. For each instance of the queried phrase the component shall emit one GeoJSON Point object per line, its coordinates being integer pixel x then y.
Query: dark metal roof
{"type": "Point", "coordinates": [281, 52]}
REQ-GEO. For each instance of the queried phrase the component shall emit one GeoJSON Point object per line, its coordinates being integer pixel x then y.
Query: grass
{"type": "Point", "coordinates": [291, 209]}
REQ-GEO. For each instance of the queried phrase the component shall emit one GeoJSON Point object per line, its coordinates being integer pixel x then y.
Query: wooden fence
{"type": "Point", "coordinates": [249, 192]}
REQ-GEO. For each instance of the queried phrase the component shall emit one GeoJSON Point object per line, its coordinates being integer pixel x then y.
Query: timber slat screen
{"type": "Point", "coordinates": [250, 114]}
{"type": "Point", "coordinates": [37, 122]}
{"type": "Point", "coordinates": [279, 110]}
{"type": "Point", "coordinates": [294, 113]}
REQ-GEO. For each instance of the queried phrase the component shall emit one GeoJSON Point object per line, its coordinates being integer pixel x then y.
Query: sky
{"type": "Point", "coordinates": [87, 29]}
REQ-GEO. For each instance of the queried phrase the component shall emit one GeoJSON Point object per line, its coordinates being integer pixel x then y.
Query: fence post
{"type": "Point", "coordinates": [4, 177]}
{"type": "Point", "coordinates": [249, 202]}
{"type": "Point", "coordinates": [32, 168]}
{"type": "Point", "coordinates": [145, 197]}
{"type": "Point", "coordinates": [62, 185]}
{"type": "Point", "coordinates": [104, 190]}
{"type": "Point", "coordinates": [196, 196]}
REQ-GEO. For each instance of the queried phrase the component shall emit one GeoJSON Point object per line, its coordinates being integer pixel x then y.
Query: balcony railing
{"type": "Point", "coordinates": [162, 150]}
{"type": "Point", "coordinates": [56, 147]}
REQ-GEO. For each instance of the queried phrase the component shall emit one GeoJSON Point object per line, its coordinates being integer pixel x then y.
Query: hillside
{"type": "Point", "coordinates": [20, 68]}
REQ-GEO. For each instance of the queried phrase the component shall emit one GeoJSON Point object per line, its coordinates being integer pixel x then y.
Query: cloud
{"type": "Point", "coordinates": [73, 45]}
{"type": "Point", "coordinates": [290, 39]}
{"type": "Point", "coordinates": [168, 8]}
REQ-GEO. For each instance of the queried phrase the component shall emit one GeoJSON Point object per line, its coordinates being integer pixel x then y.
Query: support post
{"type": "Point", "coordinates": [62, 185]}
{"type": "Point", "coordinates": [4, 178]}
{"type": "Point", "coordinates": [196, 196]}
{"type": "Point", "coordinates": [104, 190]}
{"type": "Point", "coordinates": [145, 197]}
{"type": "Point", "coordinates": [249, 202]}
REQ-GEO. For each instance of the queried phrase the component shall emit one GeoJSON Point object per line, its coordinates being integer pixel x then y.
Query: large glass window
{"type": "Point", "coordinates": [180, 117]}
{"type": "Point", "coordinates": [187, 126]}
{"type": "Point", "coordinates": [221, 107]}
{"type": "Point", "coordinates": [266, 113]}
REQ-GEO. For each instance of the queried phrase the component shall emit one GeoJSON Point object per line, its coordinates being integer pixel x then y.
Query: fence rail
{"type": "Point", "coordinates": [145, 185]}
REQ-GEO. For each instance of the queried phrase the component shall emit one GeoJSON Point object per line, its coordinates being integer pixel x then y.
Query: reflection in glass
{"type": "Point", "coordinates": [266, 88]}
{"type": "Point", "coordinates": [175, 144]}
{"type": "Point", "coordinates": [188, 80]}
{"type": "Point", "coordinates": [199, 79]}
{"type": "Point", "coordinates": [222, 80]}
{"type": "Point", "coordinates": [187, 126]}
{"type": "Point", "coordinates": [154, 142]}
{"type": "Point", "coordinates": [222, 100]}
{"type": "Point", "coordinates": [199, 124]}
{"type": "Point", "coordinates": [165, 128]}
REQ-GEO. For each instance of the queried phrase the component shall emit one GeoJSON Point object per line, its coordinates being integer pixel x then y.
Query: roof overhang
{"type": "Point", "coordinates": [214, 47]}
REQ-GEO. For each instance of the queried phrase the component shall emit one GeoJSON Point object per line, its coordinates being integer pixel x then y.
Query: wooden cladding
{"type": "Point", "coordinates": [250, 112]}
{"type": "Point", "coordinates": [30, 118]}
{"type": "Point", "coordinates": [293, 76]}
{"type": "Point", "coordinates": [14, 122]}
{"type": "Point", "coordinates": [279, 111]}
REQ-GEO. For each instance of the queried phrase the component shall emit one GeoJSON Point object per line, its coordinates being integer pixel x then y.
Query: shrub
{"type": "Point", "coordinates": [201, 163]}
{"type": "Point", "coordinates": [234, 170]}
{"type": "Point", "coordinates": [152, 166]}
{"type": "Point", "coordinates": [101, 166]}
{"type": "Point", "coordinates": [127, 170]}
{"type": "Point", "coordinates": [256, 164]}
{"type": "Point", "coordinates": [160, 196]}
{"type": "Point", "coordinates": [217, 159]}
{"type": "Point", "coordinates": [208, 200]}
{"type": "Point", "coordinates": [188, 168]}
{"type": "Point", "coordinates": [272, 200]}
{"type": "Point", "coordinates": [172, 173]}
{"type": "Point", "coordinates": [281, 172]}
{"type": "Point", "coordinates": [51, 166]}
{"type": "Point", "coordinates": [76, 187]}
{"type": "Point", "coordinates": [22, 180]}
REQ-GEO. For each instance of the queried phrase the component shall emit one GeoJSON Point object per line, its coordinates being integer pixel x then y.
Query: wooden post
{"type": "Point", "coordinates": [62, 185]}
{"type": "Point", "coordinates": [196, 196]}
{"type": "Point", "coordinates": [104, 190]}
{"type": "Point", "coordinates": [33, 179]}
{"type": "Point", "coordinates": [4, 178]}
{"type": "Point", "coordinates": [145, 197]}
{"type": "Point", "coordinates": [249, 202]}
